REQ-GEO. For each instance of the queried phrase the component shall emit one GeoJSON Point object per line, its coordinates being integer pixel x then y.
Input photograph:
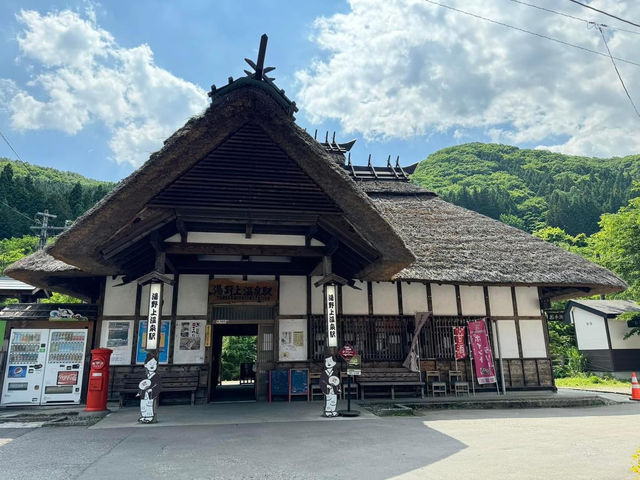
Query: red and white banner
{"type": "Point", "coordinates": [482, 356]}
{"type": "Point", "coordinates": [459, 342]}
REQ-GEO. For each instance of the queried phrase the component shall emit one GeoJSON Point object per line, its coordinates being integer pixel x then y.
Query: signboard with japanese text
{"type": "Point", "coordinates": [163, 344]}
{"type": "Point", "coordinates": [482, 356]}
{"type": "Point", "coordinates": [331, 302]}
{"type": "Point", "coordinates": [224, 291]}
{"type": "Point", "coordinates": [459, 340]}
{"type": "Point", "coordinates": [346, 352]}
{"type": "Point", "coordinates": [189, 341]}
{"type": "Point", "coordinates": [153, 320]}
{"type": "Point", "coordinates": [354, 366]}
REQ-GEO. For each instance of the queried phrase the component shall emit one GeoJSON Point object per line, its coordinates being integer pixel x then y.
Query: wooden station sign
{"type": "Point", "coordinates": [223, 291]}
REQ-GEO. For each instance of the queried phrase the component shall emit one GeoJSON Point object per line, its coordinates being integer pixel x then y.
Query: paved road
{"type": "Point", "coordinates": [585, 443]}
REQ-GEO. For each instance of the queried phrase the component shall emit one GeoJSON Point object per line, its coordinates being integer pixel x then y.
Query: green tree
{"type": "Point", "coordinates": [237, 350]}
{"type": "Point", "coordinates": [617, 245]}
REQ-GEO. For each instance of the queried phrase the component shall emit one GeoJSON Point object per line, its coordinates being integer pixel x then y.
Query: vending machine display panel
{"type": "Point", "coordinates": [25, 367]}
{"type": "Point", "coordinates": [65, 364]}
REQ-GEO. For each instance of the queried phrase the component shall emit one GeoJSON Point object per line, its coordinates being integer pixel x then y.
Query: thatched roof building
{"type": "Point", "coordinates": [245, 218]}
{"type": "Point", "coordinates": [410, 233]}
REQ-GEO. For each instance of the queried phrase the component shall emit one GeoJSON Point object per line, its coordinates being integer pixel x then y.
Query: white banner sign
{"type": "Point", "coordinates": [332, 307]}
{"type": "Point", "coordinates": [153, 331]}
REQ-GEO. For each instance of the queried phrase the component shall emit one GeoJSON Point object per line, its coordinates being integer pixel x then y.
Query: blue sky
{"type": "Point", "coordinates": [95, 87]}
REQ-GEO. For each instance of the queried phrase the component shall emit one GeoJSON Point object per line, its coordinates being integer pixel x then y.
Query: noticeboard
{"type": "Point", "coordinates": [163, 345]}
{"type": "Point", "coordinates": [354, 366]}
{"type": "Point", "coordinates": [278, 382]}
{"type": "Point", "coordinates": [299, 382]}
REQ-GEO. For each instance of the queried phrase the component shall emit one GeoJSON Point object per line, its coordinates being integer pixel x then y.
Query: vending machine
{"type": "Point", "coordinates": [64, 367]}
{"type": "Point", "coordinates": [24, 373]}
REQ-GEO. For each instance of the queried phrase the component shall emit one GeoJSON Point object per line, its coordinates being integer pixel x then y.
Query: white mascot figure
{"type": "Point", "coordinates": [330, 384]}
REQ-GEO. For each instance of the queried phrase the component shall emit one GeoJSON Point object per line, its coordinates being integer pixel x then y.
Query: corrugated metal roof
{"type": "Point", "coordinates": [8, 283]}
{"type": "Point", "coordinates": [609, 307]}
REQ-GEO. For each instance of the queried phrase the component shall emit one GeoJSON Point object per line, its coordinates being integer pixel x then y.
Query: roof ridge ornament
{"type": "Point", "coordinates": [259, 74]}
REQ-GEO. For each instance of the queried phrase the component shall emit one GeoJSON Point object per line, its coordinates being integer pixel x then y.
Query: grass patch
{"type": "Point", "coordinates": [583, 381]}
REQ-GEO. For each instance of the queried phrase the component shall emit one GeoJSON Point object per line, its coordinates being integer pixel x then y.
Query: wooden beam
{"type": "Point", "coordinates": [313, 229]}
{"type": "Point", "coordinates": [181, 229]}
{"type": "Point", "coordinates": [135, 231]}
{"type": "Point", "coordinates": [232, 249]}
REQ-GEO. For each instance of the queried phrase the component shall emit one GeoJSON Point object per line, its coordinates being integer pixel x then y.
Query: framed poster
{"type": "Point", "coordinates": [117, 335]}
{"type": "Point", "coordinates": [188, 346]}
{"type": "Point", "coordinates": [293, 340]}
{"type": "Point", "coordinates": [163, 346]}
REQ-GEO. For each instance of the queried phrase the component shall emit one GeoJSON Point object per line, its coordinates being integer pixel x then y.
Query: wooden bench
{"type": "Point", "coordinates": [389, 377]}
{"type": "Point", "coordinates": [169, 382]}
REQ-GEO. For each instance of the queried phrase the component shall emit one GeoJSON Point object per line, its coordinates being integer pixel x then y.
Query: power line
{"type": "Point", "coordinates": [11, 147]}
{"type": "Point", "coordinates": [588, 22]}
{"type": "Point", "coordinates": [604, 13]}
{"type": "Point", "coordinates": [562, 42]}
{"type": "Point", "coordinates": [16, 210]}
{"type": "Point", "coordinates": [617, 71]}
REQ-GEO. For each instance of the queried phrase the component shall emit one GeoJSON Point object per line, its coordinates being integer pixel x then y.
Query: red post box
{"type": "Point", "coordinates": [98, 380]}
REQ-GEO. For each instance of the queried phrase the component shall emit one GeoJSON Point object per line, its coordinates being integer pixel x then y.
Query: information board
{"type": "Point", "coordinates": [163, 345]}
{"type": "Point", "coordinates": [117, 335]}
{"type": "Point", "coordinates": [293, 339]}
{"type": "Point", "coordinates": [188, 344]}
{"type": "Point", "coordinates": [299, 382]}
{"type": "Point", "coordinates": [278, 383]}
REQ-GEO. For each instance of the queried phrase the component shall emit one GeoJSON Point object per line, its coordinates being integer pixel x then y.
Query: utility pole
{"type": "Point", "coordinates": [43, 226]}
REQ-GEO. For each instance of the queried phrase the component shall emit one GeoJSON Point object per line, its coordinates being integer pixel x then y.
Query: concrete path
{"type": "Point", "coordinates": [560, 443]}
{"type": "Point", "coordinates": [226, 414]}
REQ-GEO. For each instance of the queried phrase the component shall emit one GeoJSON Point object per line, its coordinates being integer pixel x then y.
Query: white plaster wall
{"type": "Point", "coordinates": [240, 239]}
{"type": "Point", "coordinates": [355, 302]}
{"type": "Point", "coordinates": [385, 298]}
{"type": "Point", "coordinates": [119, 300]}
{"type": "Point", "coordinates": [508, 339]}
{"type": "Point", "coordinates": [414, 298]}
{"type": "Point", "coordinates": [293, 295]}
{"type": "Point", "coordinates": [590, 330]}
{"type": "Point", "coordinates": [532, 337]}
{"type": "Point", "coordinates": [500, 301]}
{"type": "Point", "coordinates": [528, 302]}
{"type": "Point", "coordinates": [617, 331]}
{"type": "Point", "coordinates": [443, 299]}
{"type": "Point", "coordinates": [472, 300]}
{"type": "Point", "coordinates": [167, 299]}
{"type": "Point", "coordinates": [317, 299]}
{"type": "Point", "coordinates": [193, 294]}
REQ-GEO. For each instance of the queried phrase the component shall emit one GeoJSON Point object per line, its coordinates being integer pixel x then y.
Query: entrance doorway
{"type": "Point", "coordinates": [234, 363]}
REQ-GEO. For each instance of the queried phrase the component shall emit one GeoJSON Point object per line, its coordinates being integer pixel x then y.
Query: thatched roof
{"type": "Point", "coordinates": [456, 245]}
{"type": "Point", "coordinates": [42, 270]}
{"type": "Point", "coordinates": [81, 244]}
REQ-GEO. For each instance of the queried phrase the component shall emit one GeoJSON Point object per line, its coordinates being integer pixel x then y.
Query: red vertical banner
{"type": "Point", "coordinates": [482, 356]}
{"type": "Point", "coordinates": [458, 337]}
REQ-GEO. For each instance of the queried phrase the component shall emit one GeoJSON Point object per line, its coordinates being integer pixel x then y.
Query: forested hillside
{"type": "Point", "coordinates": [26, 189]}
{"type": "Point", "coordinates": [530, 189]}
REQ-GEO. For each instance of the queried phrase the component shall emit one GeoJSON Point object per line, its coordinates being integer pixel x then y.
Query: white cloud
{"type": "Point", "coordinates": [82, 75]}
{"type": "Point", "coordinates": [397, 68]}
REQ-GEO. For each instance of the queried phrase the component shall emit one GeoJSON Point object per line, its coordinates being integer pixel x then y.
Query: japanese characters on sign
{"type": "Point", "coordinates": [225, 291]}
{"type": "Point", "coordinates": [332, 307]}
{"type": "Point", "coordinates": [459, 338]}
{"type": "Point", "coordinates": [482, 356]}
{"type": "Point", "coordinates": [347, 352]}
{"type": "Point", "coordinates": [153, 320]}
